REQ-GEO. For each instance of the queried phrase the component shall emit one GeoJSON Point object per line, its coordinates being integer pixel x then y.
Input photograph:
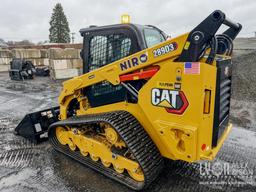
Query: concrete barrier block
{"type": "Point", "coordinates": [52, 52]}
{"type": "Point", "coordinates": [63, 73]}
{"type": "Point", "coordinates": [72, 53]}
{"type": "Point", "coordinates": [26, 53]}
{"type": "Point", "coordinates": [18, 53]}
{"type": "Point", "coordinates": [44, 53]}
{"type": "Point", "coordinates": [68, 53]}
{"type": "Point", "coordinates": [5, 53]}
{"type": "Point", "coordinates": [5, 61]}
{"type": "Point", "coordinates": [80, 71]}
{"type": "Point", "coordinates": [77, 63]}
{"type": "Point", "coordinates": [39, 61]}
{"type": "Point", "coordinates": [4, 68]}
{"type": "Point", "coordinates": [60, 64]}
{"type": "Point", "coordinates": [46, 62]}
{"type": "Point", "coordinates": [32, 53]}
{"type": "Point", "coordinates": [78, 52]}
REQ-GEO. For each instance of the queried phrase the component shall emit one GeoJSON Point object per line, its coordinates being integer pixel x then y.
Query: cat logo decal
{"type": "Point", "coordinates": [174, 101]}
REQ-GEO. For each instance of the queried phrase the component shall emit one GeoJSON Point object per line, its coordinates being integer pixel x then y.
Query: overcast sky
{"type": "Point", "coordinates": [29, 19]}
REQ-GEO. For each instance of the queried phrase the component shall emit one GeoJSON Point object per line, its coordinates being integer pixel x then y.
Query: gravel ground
{"type": "Point", "coordinates": [243, 111]}
{"type": "Point", "coordinates": [27, 167]}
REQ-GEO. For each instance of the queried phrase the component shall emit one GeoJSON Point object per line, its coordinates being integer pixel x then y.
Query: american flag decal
{"type": "Point", "coordinates": [191, 68]}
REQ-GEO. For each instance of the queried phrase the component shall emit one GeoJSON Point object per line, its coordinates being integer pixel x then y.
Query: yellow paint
{"type": "Point", "coordinates": [187, 45]}
{"type": "Point", "coordinates": [211, 154]}
{"type": "Point", "coordinates": [99, 148]}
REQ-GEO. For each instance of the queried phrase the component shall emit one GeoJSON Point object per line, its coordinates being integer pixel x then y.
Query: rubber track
{"type": "Point", "coordinates": [132, 133]}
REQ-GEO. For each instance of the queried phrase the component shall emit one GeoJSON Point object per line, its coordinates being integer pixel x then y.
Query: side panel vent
{"type": "Point", "coordinates": [222, 99]}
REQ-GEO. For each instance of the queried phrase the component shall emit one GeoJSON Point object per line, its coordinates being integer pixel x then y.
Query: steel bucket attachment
{"type": "Point", "coordinates": [34, 126]}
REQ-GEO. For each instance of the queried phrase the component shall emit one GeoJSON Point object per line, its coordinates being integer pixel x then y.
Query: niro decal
{"type": "Point", "coordinates": [173, 101]}
{"type": "Point", "coordinates": [135, 61]}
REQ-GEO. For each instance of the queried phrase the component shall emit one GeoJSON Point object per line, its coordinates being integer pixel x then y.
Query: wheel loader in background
{"type": "Point", "coordinates": [143, 97]}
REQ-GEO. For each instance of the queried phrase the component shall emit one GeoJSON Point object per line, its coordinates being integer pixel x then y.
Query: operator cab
{"type": "Point", "coordinates": [106, 44]}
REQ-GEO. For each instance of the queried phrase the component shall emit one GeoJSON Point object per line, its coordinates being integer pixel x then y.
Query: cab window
{"type": "Point", "coordinates": [153, 37]}
{"type": "Point", "coordinates": [105, 49]}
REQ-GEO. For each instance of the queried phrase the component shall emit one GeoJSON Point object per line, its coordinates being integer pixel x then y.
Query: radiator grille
{"type": "Point", "coordinates": [225, 93]}
{"type": "Point", "coordinates": [222, 99]}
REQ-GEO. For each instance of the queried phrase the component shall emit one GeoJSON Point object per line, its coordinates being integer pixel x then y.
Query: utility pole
{"type": "Point", "coordinates": [255, 34]}
{"type": "Point", "coordinates": [72, 37]}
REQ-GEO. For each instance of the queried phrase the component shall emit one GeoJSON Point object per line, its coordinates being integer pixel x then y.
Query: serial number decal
{"type": "Point", "coordinates": [165, 49]}
{"type": "Point", "coordinates": [164, 85]}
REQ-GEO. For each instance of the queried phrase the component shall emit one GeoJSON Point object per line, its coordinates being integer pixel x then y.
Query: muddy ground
{"type": "Point", "coordinates": [26, 167]}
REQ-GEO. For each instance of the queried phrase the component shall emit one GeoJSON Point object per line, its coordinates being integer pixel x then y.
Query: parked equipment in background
{"type": "Point", "coordinates": [143, 97]}
{"type": "Point", "coordinates": [42, 71]}
{"type": "Point", "coordinates": [21, 69]}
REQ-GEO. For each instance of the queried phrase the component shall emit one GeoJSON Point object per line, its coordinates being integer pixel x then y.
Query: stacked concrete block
{"type": "Point", "coordinates": [77, 64]}
{"type": "Point", "coordinates": [18, 53]}
{"type": "Point", "coordinates": [26, 53]}
{"type": "Point", "coordinates": [68, 53]}
{"type": "Point", "coordinates": [5, 59]}
{"type": "Point", "coordinates": [44, 57]}
{"type": "Point", "coordinates": [37, 56]}
{"type": "Point", "coordinates": [44, 53]}
{"type": "Point", "coordinates": [64, 63]}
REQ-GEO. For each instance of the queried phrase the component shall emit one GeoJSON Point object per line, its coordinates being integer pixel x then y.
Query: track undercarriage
{"type": "Point", "coordinates": [114, 144]}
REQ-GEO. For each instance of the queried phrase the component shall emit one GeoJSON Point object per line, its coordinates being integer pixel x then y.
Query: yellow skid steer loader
{"type": "Point", "coordinates": [143, 97]}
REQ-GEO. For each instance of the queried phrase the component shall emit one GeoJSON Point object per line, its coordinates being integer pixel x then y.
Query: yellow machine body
{"type": "Point", "coordinates": [186, 136]}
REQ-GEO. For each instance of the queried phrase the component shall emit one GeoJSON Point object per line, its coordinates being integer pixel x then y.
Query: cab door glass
{"type": "Point", "coordinates": [103, 50]}
{"type": "Point", "coordinates": [107, 49]}
{"type": "Point", "coordinates": [153, 37]}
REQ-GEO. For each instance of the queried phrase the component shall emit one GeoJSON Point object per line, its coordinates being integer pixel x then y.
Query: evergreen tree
{"type": "Point", "coordinates": [59, 27]}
